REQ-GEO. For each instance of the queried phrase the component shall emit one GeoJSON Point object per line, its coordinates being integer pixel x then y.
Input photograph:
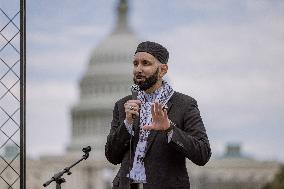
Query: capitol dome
{"type": "Point", "coordinates": [107, 78]}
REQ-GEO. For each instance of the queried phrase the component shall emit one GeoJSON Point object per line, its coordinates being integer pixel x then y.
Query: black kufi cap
{"type": "Point", "coordinates": [155, 49]}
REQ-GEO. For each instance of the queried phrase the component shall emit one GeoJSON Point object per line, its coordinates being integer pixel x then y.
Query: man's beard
{"type": "Point", "coordinates": [149, 82]}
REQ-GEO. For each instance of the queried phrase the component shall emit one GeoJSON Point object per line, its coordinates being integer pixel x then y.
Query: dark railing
{"type": "Point", "coordinates": [12, 94]}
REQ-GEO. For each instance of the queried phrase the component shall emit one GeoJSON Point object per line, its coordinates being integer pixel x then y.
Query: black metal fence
{"type": "Point", "coordinates": [12, 94]}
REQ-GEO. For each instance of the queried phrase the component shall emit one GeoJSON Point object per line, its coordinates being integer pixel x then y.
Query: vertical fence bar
{"type": "Point", "coordinates": [23, 94]}
{"type": "Point", "coordinates": [13, 94]}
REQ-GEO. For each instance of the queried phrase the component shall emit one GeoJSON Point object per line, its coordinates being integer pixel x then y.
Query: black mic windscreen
{"type": "Point", "coordinates": [87, 149]}
{"type": "Point", "coordinates": [134, 91]}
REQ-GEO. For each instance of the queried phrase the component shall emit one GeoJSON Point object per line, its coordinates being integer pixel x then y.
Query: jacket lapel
{"type": "Point", "coordinates": [154, 133]}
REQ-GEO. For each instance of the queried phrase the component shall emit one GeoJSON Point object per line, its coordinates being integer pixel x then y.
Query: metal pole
{"type": "Point", "coordinates": [22, 94]}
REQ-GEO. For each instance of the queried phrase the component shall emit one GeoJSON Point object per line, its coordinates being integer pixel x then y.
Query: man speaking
{"type": "Point", "coordinates": [153, 132]}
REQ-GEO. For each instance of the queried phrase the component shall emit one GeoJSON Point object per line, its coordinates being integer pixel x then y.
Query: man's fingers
{"type": "Point", "coordinates": [162, 113]}
{"type": "Point", "coordinates": [131, 106]}
{"type": "Point", "coordinates": [126, 105]}
{"type": "Point", "coordinates": [135, 108]}
{"type": "Point", "coordinates": [153, 110]}
{"type": "Point", "coordinates": [159, 107]}
{"type": "Point", "coordinates": [161, 110]}
{"type": "Point", "coordinates": [156, 107]}
{"type": "Point", "coordinates": [134, 101]}
{"type": "Point", "coordinates": [133, 112]}
{"type": "Point", "coordinates": [148, 127]}
{"type": "Point", "coordinates": [158, 111]}
{"type": "Point", "coordinates": [165, 113]}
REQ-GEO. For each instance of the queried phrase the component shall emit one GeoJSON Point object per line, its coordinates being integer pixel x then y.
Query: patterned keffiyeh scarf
{"type": "Point", "coordinates": [162, 95]}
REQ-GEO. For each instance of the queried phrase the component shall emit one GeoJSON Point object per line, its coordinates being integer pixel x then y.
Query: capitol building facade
{"type": "Point", "coordinates": [108, 78]}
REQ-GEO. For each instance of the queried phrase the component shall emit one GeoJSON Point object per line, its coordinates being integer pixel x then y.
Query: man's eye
{"type": "Point", "coordinates": [135, 63]}
{"type": "Point", "coordinates": [145, 62]}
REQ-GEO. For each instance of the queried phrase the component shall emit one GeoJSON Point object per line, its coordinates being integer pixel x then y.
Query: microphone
{"type": "Point", "coordinates": [134, 90]}
{"type": "Point", "coordinates": [87, 149]}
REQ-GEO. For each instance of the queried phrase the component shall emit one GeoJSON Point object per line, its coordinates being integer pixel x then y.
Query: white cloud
{"type": "Point", "coordinates": [68, 36]}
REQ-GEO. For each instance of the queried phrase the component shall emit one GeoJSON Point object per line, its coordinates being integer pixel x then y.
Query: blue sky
{"type": "Point", "coordinates": [226, 54]}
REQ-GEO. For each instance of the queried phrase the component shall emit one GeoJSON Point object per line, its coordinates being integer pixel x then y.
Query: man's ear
{"type": "Point", "coordinates": [163, 69]}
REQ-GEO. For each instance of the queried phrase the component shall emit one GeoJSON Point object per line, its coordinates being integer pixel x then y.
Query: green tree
{"type": "Point", "coordinates": [277, 182]}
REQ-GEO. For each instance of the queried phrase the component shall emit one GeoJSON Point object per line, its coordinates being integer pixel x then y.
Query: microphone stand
{"type": "Point", "coordinates": [58, 176]}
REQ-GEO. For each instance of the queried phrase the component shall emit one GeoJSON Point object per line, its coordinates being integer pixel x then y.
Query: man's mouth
{"type": "Point", "coordinates": [139, 77]}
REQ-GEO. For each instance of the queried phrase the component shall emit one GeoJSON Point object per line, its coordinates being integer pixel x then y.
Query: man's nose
{"type": "Point", "coordinates": [138, 68]}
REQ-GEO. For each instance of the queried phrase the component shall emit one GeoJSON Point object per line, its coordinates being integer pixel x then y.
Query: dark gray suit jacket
{"type": "Point", "coordinates": [164, 162]}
